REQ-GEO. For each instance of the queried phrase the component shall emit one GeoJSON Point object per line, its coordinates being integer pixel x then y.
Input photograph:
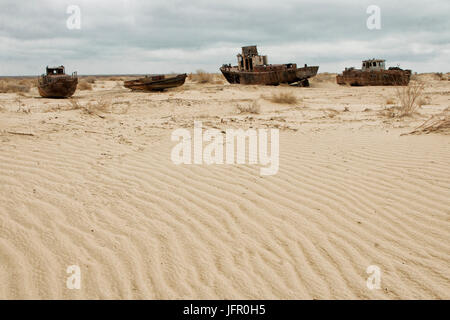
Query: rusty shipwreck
{"type": "Point", "coordinates": [374, 73]}
{"type": "Point", "coordinates": [57, 84]}
{"type": "Point", "coordinates": [253, 68]}
{"type": "Point", "coordinates": [159, 82]}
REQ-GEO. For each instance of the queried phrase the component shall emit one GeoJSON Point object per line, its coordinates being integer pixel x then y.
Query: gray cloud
{"type": "Point", "coordinates": [130, 36]}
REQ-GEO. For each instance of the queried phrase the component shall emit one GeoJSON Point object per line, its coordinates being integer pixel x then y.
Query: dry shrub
{"type": "Point", "coordinates": [74, 105]}
{"type": "Point", "coordinates": [83, 85]}
{"type": "Point", "coordinates": [439, 123]}
{"type": "Point", "coordinates": [253, 108]}
{"type": "Point", "coordinates": [439, 76]}
{"type": "Point", "coordinates": [284, 98]}
{"type": "Point", "coordinates": [409, 98]}
{"type": "Point", "coordinates": [12, 86]}
{"type": "Point", "coordinates": [219, 79]}
{"type": "Point", "coordinates": [92, 107]}
{"type": "Point", "coordinates": [100, 106]}
{"type": "Point", "coordinates": [201, 77]}
{"type": "Point", "coordinates": [90, 79]}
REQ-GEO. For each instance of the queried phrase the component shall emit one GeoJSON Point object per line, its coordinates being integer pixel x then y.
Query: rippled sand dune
{"type": "Point", "coordinates": [102, 193]}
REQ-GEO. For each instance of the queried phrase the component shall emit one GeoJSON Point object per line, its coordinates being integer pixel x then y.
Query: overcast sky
{"type": "Point", "coordinates": [161, 36]}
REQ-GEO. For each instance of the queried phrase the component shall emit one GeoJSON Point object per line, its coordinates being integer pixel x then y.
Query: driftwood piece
{"type": "Point", "coordinates": [21, 133]}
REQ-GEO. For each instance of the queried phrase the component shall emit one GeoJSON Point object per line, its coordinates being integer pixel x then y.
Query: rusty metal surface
{"type": "Point", "coordinates": [156, 82]}
{"type": "Point", "coordinates": [254, 69]}
{"type": "Point", "coordinates": [374, 75]}
{"type": "Point", "coordinates": [270, 76]}
{"type": "Point", "coordinates": [56, 84]}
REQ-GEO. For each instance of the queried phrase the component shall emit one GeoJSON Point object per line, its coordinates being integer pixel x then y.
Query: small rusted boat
{"type": "Point", "coordinates": [254, 69]}
{"type": "Point", "coordinates": [374, 73]}
{"type": "Point", "coordinates": [57, 84]}
{"type": "Point", "coordinates": [159, 82]}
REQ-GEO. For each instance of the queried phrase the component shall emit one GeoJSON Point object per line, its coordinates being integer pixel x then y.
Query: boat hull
{"type": "Point", "coordinates": [270, 77]}
{"type": "Point", "coordinates": [374, 78]}
{"type": "Point", "coordinates": [156, 83]}
{"type": "Point", "coordinates": [60, 87]}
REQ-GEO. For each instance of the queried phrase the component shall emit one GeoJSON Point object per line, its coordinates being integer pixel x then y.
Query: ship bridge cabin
{"type": "Point", "coordinates": [55, 70]}
{"type": "Point", "coordinates": [373, 64]}
{"type": "Point", "coordinates": [249, 60]}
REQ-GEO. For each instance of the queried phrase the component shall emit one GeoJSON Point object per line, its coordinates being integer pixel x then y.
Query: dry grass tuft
{"type": "Point", "coordinates": [91, 108]}
{"type": "Point", "coordinates": [253, 108]}
{"type": "Point", "coordinates": [439, 123]}
{"type": "Point", "coordinates": [84, 85]}
{"type": "Point", "coordinates": [98, 107]}
{"type": "Point", "coordinates": [15, 86]}
{"type": "Point", "coordinates": [284, 98]}
{"type": "Point", "coordinates": [409, 98]}
{"type": "Point", "coordinates": [439, 76]}
{"type": "Point", "coordinates": [73, 105]}
{"type": "Point", "coordinates": [90, 80]}
{"type": "Point", "coordinates": [201, 77]}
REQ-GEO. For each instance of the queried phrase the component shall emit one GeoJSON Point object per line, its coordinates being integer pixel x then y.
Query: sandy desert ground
{"type": "Point", "coordinates": [89, 181]}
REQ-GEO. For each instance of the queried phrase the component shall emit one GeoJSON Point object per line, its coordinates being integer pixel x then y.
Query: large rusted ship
{"type": "Point", "coordinates": [159, 82]}
{"type": "Point", "coordinates": [374, 73]}
{"type": "Point", "coordinates": [254, 69]}
{"type": "Point", "coordinates": [57, 84]}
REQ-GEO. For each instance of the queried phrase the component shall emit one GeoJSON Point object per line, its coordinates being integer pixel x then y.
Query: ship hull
{"type": "Point", "coordinates": [61, 87]}
{"type": "Point", "coordinates": [374, 78]}
{"type": "Point", "coordinates": [271, 77]}
{"type": "Point", "coordinates": [149, 84]}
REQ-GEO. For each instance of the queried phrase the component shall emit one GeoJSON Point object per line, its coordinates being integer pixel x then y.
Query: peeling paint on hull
{"type": "Point", "coordinates": [60, 87]}
{"type": "Point", "coordinates": [156, 83]}
{"type": "Point", "coordinates": [270, 77]}
{"type": "Point", "coordinates": [374, 78]}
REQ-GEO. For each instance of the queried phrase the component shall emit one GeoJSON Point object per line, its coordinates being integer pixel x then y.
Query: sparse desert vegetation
{"type": "Point", "coordinates": [108, 152]}
{"type": "Point", "coordinates": [16, 85]}
{"type": "Point", "coordinates": [84, 85]}
{"type": "Point", "coordinates": [204, 77]}
{"type": "Point", "coordinates": [409, 97]}
{"type": "Point", "coordinates": [96, 107]}
{"type": "Point", "coordinates": [439, 123]}
{"type": "Point", "coordinates": [252, 107]}
{"type": "Point", "coordinates": [283, 98]}
{"type": "Point", "coordinates": [201, 77]}
{"type": "Point", "coordinates": [89, 79]}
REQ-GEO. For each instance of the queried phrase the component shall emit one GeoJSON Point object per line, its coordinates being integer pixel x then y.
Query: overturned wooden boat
{"type": "Point", "coordinates": [57, 84]}
{"type": "Point", "coordinates": [254, 69]}
{"type": "Point", "coordinates": [158, 82]}
{"type": "Point", "coordinates": [374, 73]}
